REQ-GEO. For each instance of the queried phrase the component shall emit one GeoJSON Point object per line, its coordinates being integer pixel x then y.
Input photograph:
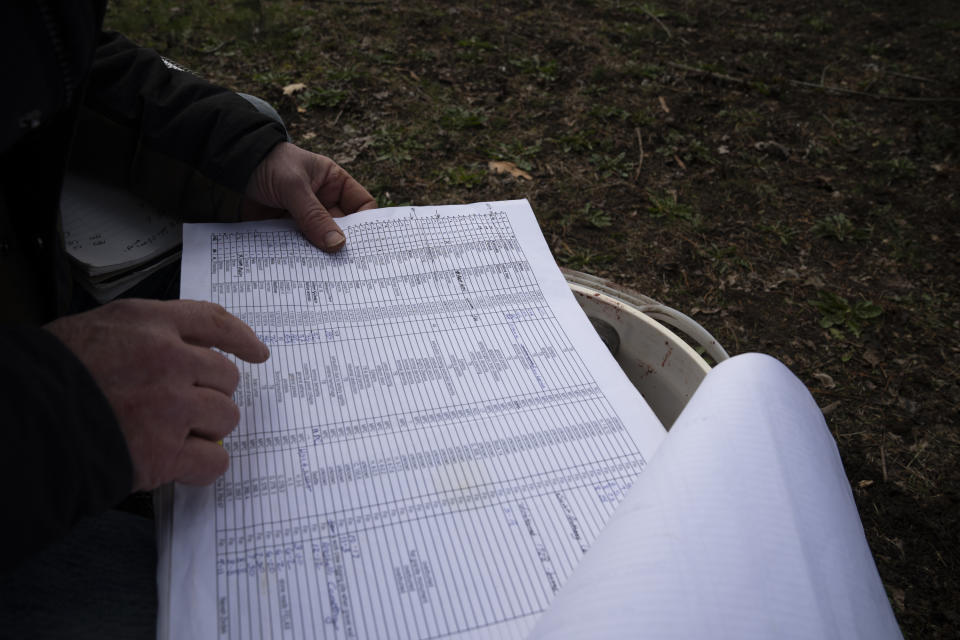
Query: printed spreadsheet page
{"type": "Point", "coordinates": [436, 440]}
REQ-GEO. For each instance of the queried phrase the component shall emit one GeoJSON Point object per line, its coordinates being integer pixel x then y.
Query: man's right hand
{"type": "Point", "coordinates": [171, 393]}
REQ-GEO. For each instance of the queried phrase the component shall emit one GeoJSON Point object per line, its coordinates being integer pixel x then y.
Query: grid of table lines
{"type": "Point", "coordinates": [424, 453]}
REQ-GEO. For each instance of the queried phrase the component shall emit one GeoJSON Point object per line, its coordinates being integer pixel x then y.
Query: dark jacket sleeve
{"type": "Point", "coordinates": [63, 454]}
{"type": "Point", "coordinates": [171, 137]}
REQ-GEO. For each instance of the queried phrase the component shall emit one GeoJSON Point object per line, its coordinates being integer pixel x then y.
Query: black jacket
{"type": "Point", "coordinates": [74, 94]}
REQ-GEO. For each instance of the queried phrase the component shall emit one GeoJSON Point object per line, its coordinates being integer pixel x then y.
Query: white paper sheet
{"type": "Point", "coordinates": [437, 439]}
{"type": "Point", "coordinates": [742, 527]}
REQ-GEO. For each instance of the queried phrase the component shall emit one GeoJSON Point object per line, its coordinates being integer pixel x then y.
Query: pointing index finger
{"type": "Point", "coordinates": [210, 325]}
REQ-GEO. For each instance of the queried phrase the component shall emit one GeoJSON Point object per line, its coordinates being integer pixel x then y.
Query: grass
{"type": "Point", "coordinates": [821, 225]}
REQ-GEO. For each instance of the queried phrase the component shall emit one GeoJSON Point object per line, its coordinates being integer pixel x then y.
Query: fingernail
{"type": "Point", "coordinates": [333, 239]}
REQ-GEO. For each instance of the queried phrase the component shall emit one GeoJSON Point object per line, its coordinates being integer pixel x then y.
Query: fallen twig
{"type": "Point", "coordinates": [358, 3]}
{"type": "Point", "coordinates": [813, 85]}
{"type": "Point", "coordinates": [712, 74]}
{"type": "Point", "coordinates": [912, 77]}
{"type": "Point", "coordinates": [414, 85]}
{"type": "Point", "coordinates": [823, 74]}
{"type": "Point", "coordinates": [883, 454]}
{"type": "Point", "coordinates": [636, 174]}
{"type": "Point", "coordinates": [918, 475]}
{"type": "Point", "coordinates": [657, 20]}
{"type": "Point", "coordinates": [207, 52]}
{"type": "Point", "coordinates": [877, 96]}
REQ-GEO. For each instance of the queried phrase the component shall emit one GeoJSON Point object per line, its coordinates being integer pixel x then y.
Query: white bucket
{"type": "Point", "coordinates": [659, 363]}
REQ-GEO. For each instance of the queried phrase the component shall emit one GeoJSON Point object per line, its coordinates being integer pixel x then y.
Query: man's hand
{"type": "Point", "coordinates": [171, 393]}
{"type": "Point", "coordinates": [313, 188]}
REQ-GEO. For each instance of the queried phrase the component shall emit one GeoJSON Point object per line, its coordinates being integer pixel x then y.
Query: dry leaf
{"type": "Point", "coordinates": [706, 312]}
{"type": "Point", "coordinates": [291, 89]}
{"type": "Point", "coordinates": [663, 104]}
{"type": "Point", "coordinates": [830, 408]}
{"type": "Point", "coordinates": [825, 380]}
{"type": "Point", "coordinates": [898, 597]}
{"type": "Point", "coordinates": [502, 166]}
{"type": "Point", "coordinates": [766, 145]}
{"type": "Point", "coordinates": [352, 149]}
{"type": "Point", "coordinates": [814, 281]}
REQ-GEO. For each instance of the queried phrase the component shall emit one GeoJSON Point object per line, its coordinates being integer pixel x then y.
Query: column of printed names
{"type": "Point", "coordinates": [424, 453]}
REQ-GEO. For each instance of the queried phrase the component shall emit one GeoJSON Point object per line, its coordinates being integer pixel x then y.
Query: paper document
{"type": "Point", "coordinates": [108, 229]}
{"type": "Point", "coordinates": [743, 527]}
{"type": "Point", "coordinates": [438, 436]}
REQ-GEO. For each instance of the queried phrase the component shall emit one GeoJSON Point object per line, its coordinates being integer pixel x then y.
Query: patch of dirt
{"type": "Point", "coordinates": [785, 171]}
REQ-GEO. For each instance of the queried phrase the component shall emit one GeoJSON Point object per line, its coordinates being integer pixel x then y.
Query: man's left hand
{"type": "Point", "coordinates": [312, 188]}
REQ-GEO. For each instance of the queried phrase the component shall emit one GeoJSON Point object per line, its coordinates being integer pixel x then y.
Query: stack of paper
{"type": "Point", "coordinates": [114, 238]}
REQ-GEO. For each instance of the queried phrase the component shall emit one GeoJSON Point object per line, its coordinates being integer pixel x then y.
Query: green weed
{"type": "Point", "coordinates": [601, 75]}
{"type": "Point", "coordinates": [473, 49]}
{"type": "Point", "coordinates": [901, 167]}
{"type": "Point", "coordinates": [464, 177]}
{"type": "Point", "coordinates": [609, 112]}
{"type": "Point", "coordinates": [667, 205]}
{"type": "Point", "coordinates": [610, 165]}
{"type": "Point", "coordinates": [396, 145]}
{"type": "Point", "coordinates": [586, 215]}
{"type": "Point", "coordinates": [327, 98]}
{"type": "Point", "coordinates": [838, 314]}
{"type": "Point", "coordinates": [644, 70]}
{"type": "Point", "coordinates": [519, 152]}
{"type": "Point", "coordinates": [546, 71]}
{"type": "Point", "coordinates": [783, 232]}
{"type": "Point", "coordinates": [685, 146]}
{"type": "Point", "coordinates": [385, 198]}
{"type": "Point", "coordinates": [725, 258]}
{"type": "Point", "coordinates": [461, 118]}
{"type": "Point", "coordinates": [596, 217]}
{"type": "Point", "coordinates": [821, 23]}
{"type": "Point", "coordinates": [839, 227]}
{"type": "Point", "coordinates": [473, 42]}
{"type": "Point", "coordinates": [577, 141]}
{"type": "Point", "coordinates": [585, 260]}
{"type": "Point", "coordinates": [652, 10]}
{"type": "Point", "coordinates": [766, 192]}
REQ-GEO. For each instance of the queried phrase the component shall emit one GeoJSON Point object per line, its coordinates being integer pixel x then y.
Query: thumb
{"type": "Point", "coordinates": [314, 221]}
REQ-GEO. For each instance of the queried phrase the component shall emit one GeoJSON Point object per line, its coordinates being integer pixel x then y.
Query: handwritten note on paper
{"type": "Point", "coordinates": [438, 436]}
{"type": "Point", "coordinates": [107, 228]}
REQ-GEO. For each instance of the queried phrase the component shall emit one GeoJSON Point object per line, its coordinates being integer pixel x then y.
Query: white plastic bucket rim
{"type": "Point", "coordinates": [660, 364]}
